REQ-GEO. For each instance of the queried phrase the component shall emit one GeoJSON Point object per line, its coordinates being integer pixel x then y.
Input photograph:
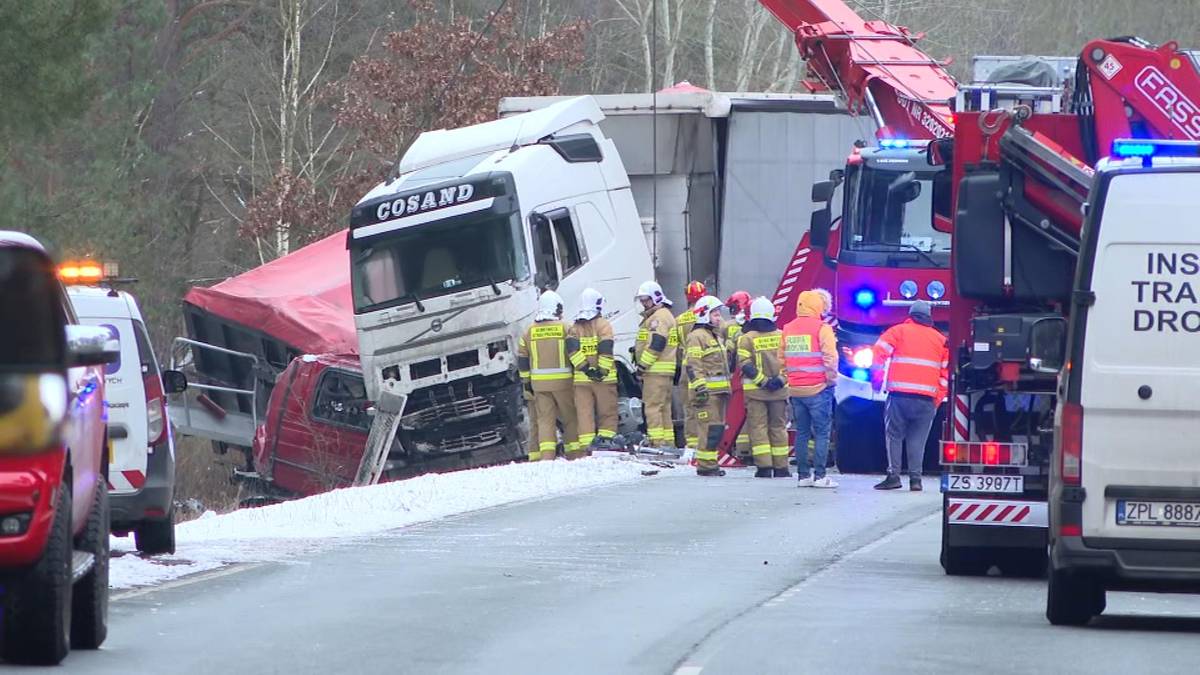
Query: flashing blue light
{"type": "Point", "coordinates": [908, 289]}
{"type": "Point", "coordinates": [860, 374]}
{"type": "Point", "coordinates": [1126, 148]}
{"type": "Point", "coordinates": [936, 290]}
{"type": "Point", "coordinates": [894, 143]}
{"type": "Point", "coordinates": [864, 298]}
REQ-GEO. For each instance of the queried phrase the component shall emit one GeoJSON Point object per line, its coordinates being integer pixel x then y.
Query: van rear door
{"type": "Point", "coordinates": [1140, 381]}
{"type": "Point", "coordinates": [126, 400]}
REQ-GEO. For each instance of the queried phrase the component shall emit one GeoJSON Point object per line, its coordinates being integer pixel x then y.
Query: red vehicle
{"type": "Point", "coordinates": [54, 521]}
{"type": "Point", "coordinates": [891, 245]}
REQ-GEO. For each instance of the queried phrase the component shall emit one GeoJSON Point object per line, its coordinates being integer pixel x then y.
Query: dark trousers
{"type": "Point", "coordinates": [906, 421]}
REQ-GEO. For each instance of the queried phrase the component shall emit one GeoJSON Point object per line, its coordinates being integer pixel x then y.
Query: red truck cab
{"type": "Point", "coordinates": [54, 526]}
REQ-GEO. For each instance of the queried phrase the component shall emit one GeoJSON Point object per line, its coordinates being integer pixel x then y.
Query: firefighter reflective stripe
{"type": "Point", "coordinates": [706, 455]}
{"type": "Point", "coordinates": [912, 387]}
{"type": "Point", "coordinates": [916, 362]}
{"type": "Point", "coordinates": [780, 450]}
{"type": "Point", "coordinates": [558, 368]}
{"type": "Point", "coordinates": [760, 450]}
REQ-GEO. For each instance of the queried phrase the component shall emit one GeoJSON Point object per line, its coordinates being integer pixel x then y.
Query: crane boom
{"type": "Point", "coordinates": [875, 65]}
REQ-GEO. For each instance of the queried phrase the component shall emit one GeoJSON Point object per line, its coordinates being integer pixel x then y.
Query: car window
{"type": "Point", "coordinates": [342, 399]}
{"type": "Point", "coordinates": [145, 352]}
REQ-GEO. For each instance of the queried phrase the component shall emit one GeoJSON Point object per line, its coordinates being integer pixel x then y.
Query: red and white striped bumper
{"type": "Point", "coordinates": [996, 512]}
{"type": "Point", "coordinates": [126, 481]}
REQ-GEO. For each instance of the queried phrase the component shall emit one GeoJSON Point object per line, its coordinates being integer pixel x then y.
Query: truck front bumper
{"type": "Point", "coordinates": [29, 486]}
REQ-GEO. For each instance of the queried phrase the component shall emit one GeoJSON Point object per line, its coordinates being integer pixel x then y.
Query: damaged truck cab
{"type": "Point", "coordinates": [448, 259]}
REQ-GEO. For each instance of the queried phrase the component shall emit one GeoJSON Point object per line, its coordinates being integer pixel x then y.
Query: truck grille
{"type": "Point", "coordinates": [461, 443]}
{"type": "Point", "coordinates": [454, 411]}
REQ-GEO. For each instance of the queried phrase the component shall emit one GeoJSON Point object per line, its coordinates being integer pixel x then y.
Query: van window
{"type": "Point", "coordinates": [566, 237]}
{"type": "Point", "coordinates": [342, 399]}
{"type": "Point", "coordinates": [145, 352]}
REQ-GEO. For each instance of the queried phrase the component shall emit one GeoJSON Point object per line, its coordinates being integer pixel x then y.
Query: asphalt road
{"type": "Point", "coordinates": [673, 575]}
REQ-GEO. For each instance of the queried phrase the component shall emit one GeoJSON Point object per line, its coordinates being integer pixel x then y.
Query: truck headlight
{"type": "Point", "coordinates": [863, 358]}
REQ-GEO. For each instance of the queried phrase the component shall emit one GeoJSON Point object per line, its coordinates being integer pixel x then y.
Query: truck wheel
{"type": "Point", "coordinates": [1027, 563]}
{"type": "Point", "coordinates": [156, 537]}
{"type": "Point", "coordinates": [962, 561]}
{"type": "Point", "coordinates": [1072, 600]}
{"type": "Point", "coordinates": [37, 626]}
{"type": "Point", "coordinates": [89, 612]}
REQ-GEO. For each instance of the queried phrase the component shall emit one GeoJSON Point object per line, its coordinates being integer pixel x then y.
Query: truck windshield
{"type": "Point", "coordinates": [893, 211]}
{"type": "Point", "coordinates": [425, 261]}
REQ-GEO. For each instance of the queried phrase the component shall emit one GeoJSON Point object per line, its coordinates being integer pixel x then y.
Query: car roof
{"type": "Point", "coordinates": [93, 302]}
{"type": "Point", "coordinates": [20, 239]}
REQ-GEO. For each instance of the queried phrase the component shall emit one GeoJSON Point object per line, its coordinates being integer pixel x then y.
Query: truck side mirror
{"type": "Point", "coordinates": [905, 188]}
{"type": "Point", "coordinates": [1048, 345]}
{"type": "Point", "coordinates": [174, 382]}
{"type": "Point", "coordinates": [818, 228]}
{"type": "Point", "coordinates": [822, 192]}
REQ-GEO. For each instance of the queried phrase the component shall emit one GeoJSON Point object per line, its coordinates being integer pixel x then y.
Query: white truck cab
{"type": "Point", "coordinates": [1125, 481]}
{"type": "Point", "coordinates": [448, 260]}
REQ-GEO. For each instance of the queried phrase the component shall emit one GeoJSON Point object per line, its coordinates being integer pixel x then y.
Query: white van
{"type": "Point", "coordinates": [1125, 477]}
{"type": "Point", "coordinates": [141, 447]}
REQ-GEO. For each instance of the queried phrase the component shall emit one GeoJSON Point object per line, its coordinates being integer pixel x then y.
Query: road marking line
{"type": "Point", "coordinates": [184, 581]}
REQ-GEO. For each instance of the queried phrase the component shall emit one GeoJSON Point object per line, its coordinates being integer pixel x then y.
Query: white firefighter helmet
{"type": "Point", "coordinates": [591, 305]}
{"type": "Point", "coordinates": [651, 289]}
{"type": "Point", "coordinates": [550, 306]}
{"type": "Point", "coordinates": [762, 308]}
{"type": "Point", "coordinates": [705, 307]}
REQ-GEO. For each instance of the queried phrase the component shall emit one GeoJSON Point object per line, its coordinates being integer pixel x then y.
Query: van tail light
{"type": "Point", "coordinates": [1072, 443]}
{"type": "Point", "coordinates": [156, 410]}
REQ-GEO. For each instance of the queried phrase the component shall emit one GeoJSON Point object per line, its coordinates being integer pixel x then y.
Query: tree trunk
{"type": "Point", "coordinates": [710, 21]}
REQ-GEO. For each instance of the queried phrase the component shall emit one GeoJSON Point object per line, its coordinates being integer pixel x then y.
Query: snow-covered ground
{"type": "Point", "coordinates": [283, 530]}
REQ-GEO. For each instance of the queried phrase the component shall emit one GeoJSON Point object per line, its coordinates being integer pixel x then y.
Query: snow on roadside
{"type": "Point", "coordinates": [282, 530]}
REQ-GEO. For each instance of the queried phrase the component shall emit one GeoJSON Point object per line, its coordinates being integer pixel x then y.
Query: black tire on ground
{"type": "Point", "coordinates": [963, 561]}
{"type": "Point", "coordinates": [1072, 599]}
{"type": "Point", "coordinates": [1026, 563]}
{"type": "Point", "coordinates": [860, 447]}
{"type": "Point", "coordinates": [156, 537]}
{"type": "Point", "coordinates": [89, 612]}
{"type": "Point", "coordinates": [37, 623]}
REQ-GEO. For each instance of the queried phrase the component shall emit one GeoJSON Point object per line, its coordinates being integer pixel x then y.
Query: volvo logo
{"type": "Point", "coordinates": [436, 325]}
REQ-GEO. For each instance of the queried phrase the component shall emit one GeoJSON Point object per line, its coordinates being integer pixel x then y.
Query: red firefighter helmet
{"type": "Point", "coordinates": [694, 292]}
{"type": "Point", "coordinates": [738, 303]}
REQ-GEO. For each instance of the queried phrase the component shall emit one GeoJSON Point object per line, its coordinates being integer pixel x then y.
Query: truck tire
{"type": "Point", "coordinates": [89, 611]}
{"type": "Point", "coordinates": [1072, 600]}
{"type": "Point", "coordinates": [37, 625]}
{"type": "Point", "coordinates": [156, 537]}
{"type": "Point", "coordinates": [962, 561]}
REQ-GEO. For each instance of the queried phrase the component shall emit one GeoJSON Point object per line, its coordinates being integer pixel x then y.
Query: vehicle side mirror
{"type": "Point", "coordinates": [818, 228]}
{"type": "Point", "coordinates": [822, 192]}
{"type": "Point", "coordinates": [174, 382]}
{"type": "Point", "coordinates": [905, 188]}
{"type": "Point", "coordinates": [1048, 345]}
{"type": "Point", "coordinates": [91, 346]}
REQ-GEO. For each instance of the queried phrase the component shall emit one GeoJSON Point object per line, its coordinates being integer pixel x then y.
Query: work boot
{"type": "Point", "coordinates": [892, 482]}
{"type": "Point", "coordinates": [767, 472]}
{"type": "Point", "coordinates": [914, 483]}
{"type": "Point", "coordinates": [783, 473]}
{"type": "Point", "coordinates": [710, 472]}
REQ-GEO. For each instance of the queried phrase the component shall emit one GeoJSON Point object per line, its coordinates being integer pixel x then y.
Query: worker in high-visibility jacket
{"type": "Point", "coordinates": [683, 325]}
{"type": "Point", "coordinates": [590, 350]}
{"type": "Point", "coordinates": [708, 377]}
{"type": "Point", "coordinates": [764, 383]}
{"type": "Point", "coordinates": [546, 374]}
{"type": "Point", "coordinates": [738, 307]}
{"type": "Point", "coordinates": [654, 356]}
{"type": "Point", "coordinates": [810, 358]}
{"type": "Point", "coordinates": [917, 360]}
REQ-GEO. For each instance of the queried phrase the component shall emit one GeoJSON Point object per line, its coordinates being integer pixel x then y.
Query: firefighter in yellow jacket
{"type": "Point", "coordinates": [683, 325]}
{"type": "Point", "coordinates": [707, 367]}
{"type": "Point", "coordinates": [738, 306]}
{"type": "Point", "coordinates": [654, 356]}
{"type": "Point", "coordinates": [547, 375]}
{"type": "Point", "coordinates": [764, 381]}
{"type": "Point", "coordinates": [590, 349]}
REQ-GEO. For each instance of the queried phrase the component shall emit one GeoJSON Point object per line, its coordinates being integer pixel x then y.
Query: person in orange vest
{"type": "Point", "coordinates": [683, 325]}
{"type": "Point", "coordinates": [917, 359]}
{"type": "Point", "coordinates": [810, 359]}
